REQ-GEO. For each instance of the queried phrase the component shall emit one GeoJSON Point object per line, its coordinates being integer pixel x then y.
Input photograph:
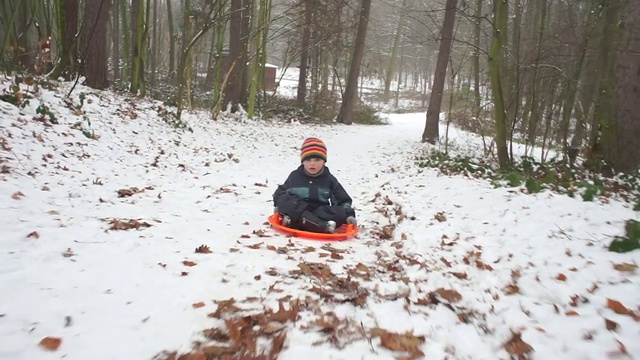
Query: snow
{"type": "Point", "coordinates": [116, 294]}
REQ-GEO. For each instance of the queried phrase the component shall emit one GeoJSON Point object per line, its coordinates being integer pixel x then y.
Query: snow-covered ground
{"type": "Point", "coordinates": [445, 267]}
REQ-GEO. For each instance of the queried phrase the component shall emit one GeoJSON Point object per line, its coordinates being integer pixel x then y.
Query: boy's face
{"type": "Point", "coordinates": [313, 165]}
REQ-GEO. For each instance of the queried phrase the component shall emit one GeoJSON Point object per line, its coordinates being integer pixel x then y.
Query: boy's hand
{"type": "Point", "coordinates": [352, 220]}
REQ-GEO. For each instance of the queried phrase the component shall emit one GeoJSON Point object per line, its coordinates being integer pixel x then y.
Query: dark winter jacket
{"type": "Point", "coordinates": [323, 189]}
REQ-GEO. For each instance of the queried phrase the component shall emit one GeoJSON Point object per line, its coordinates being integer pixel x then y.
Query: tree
{"type": "Point", "coordinates": [495, 62]}
{"type": "Point", "coordinates": [67, 44]}
{"type": "Point", "coordinates": [95, 43]}
{"type": "Point", "coordinates": [304, 53]}
{"type": "Point", "coordinates": [431, 131]}
{"type": "Point", "coordinates": [235, 94]}
{"type": "Point", "coordinates": [349, 96]}
{"type": "Point", "coordinates": [627, 93]}
{"type": "Point", "coordinates": [394, 51]}
{"type": "Point", "coordinates": [138, 36]}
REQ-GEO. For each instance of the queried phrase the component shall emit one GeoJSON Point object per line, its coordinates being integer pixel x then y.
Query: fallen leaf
{"type": "Point", "coordinates": [129, 192]}
{"type": "Point", "coordinates": [184, 273]}
{"type": "Point", "coordinates": [336, 256]}
{"type": "Point", "coordinates": [257, 277]}
{"type": "Point", "coordinates": [245, 236]}
{"type": "Point", "coordinates": [163, 265]}
{"type": "Point", "coordinates": [625, 267]}
{"type": "Point", "coordinates": [511, 289]}
{"type": "Point", "coordinates": [34, 235]}
{"type": "Point", "coordinates": [440, 216]}
{"type": "Point", "coordinates": [225, 307]}
{"type": "Point", "coordinates": [610, 325]}
{"type": "Point", "coordinates": [17, 195]}
{"type": "Point", "coordinates": [445, 262]}
{"type": "Point", "coordinates": [517, 347]}
{"type": "Point", "coordinates": [618, 308]}
{"type": "Point", "coordinates": [50, 343]}
{"type": "Point", "coordinates": [198, 305]}
{"type": "Point", "coordinates": [234, 250]}
{"type": "Point", "coordinates": [194, 356]}
{"type": "Point", "coordinates": [271, 247]}
{"type": "Point", "coordinates": [451, 296]}
{"type": "Point", "coordinates": [561, 277]}
{"type": "Point", "coordinates": [483, 266]}
{"type": "Point", "coordinates": [189, 263]}
{"type": "Point", "coordinates": [68, 253]}
{"type": "Point", "coordinates": [400, 342]}
{"type": "Point", "coordinates": [571, 313]}
{"type": "Point", "coordinates": [203, 249]}
{"type": "Point", "coordinates": [255, 246]}
{"type": "Point", "coordinates": [117, 224]}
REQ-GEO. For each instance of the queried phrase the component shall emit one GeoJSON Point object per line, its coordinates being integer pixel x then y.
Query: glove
{"type": "Point", "coordinates": [352, 220]}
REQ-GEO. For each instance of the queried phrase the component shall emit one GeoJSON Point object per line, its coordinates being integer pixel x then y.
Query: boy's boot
{"type": "Point", "coordinates": [311, 222]}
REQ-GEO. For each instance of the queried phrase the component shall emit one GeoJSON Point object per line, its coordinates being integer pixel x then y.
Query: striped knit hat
{"type": "Point", "coordinates": [313, 148]}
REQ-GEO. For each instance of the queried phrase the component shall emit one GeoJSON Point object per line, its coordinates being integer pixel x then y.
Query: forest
{"type": "Point", "coordinates": [548, 74]}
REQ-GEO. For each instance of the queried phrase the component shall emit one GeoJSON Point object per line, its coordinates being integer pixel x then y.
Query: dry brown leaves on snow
{"type": "Point", "coordinates": [618, 308]}
{"type": "Point", "coordinates": [132, 191]}
{"type": "Point", "coordinates": [240, 335]}
{"type": "Point", "coordinates": [516, 347]}
{"type": "Point", "coordinates": [50, 343]}
{"type": "Point", "coordinates": [407, 342]}
{"type": "Point", "coordinates": [203, 249]}
{"type": "Point", "coordinates": [120, 224]}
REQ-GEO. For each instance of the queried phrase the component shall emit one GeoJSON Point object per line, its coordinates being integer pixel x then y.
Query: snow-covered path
{"type": "Point", "coordinates": [445, 266]}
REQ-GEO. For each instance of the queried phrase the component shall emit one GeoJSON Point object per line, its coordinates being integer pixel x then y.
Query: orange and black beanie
{"type": "Point", "coordinates": [313, 148]}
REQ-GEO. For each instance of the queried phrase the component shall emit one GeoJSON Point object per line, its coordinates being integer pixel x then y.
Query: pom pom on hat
{"type": "Point", "coordinates": [313, 148]}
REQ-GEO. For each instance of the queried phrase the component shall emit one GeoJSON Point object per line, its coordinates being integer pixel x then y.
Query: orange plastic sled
{"type": "Point", "coordinates": [344, 232]}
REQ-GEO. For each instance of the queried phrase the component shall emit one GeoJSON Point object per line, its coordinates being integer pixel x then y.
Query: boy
{"type": "Point", "coordinates": [312, 199]}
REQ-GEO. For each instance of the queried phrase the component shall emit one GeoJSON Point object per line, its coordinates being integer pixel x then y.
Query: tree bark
{"type": "Point", "coordinates": [500, 11]}
{"type": "Point", "coordinates": [67, 24]}
{"type": "Point", "coordinates": [238, 43]}
{"type": "Point", "coordinates": [349, 97]}
{"type": "Point", "coordinates": [137, 46]}
{"type": "Point", "coordinates": [623, 153]}
{"type": "Point", "coordinates": [431, 131]}
{"type": "Point", "coordinates": [172, 42]}
{"type": "Point", "coordinates": [96, 13]}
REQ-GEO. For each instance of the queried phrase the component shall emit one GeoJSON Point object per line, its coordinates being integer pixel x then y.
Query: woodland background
{"type": "Point", "coordinates": [548, 74]}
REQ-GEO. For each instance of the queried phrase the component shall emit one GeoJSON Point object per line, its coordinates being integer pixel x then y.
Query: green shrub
{"type": "Point", "coordinates": [554, 175]}
{"type": "Point", "coordinates": [630, 241]}
{"type": "Point", "coordinates": [367, 115]}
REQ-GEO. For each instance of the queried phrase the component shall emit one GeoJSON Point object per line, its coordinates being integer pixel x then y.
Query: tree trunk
{"type": "Point", "coordinates": [349, 96]}
{"type": "Point", "coordinates": [500, 11]}
{"type": "Point", "coordinates": [238, 42]}
{"type": "Point", "coordinates": [154, 45]}
{"type": "Point", "coordinates": [431, 131]}
{"type": "Point", "coordinates": [476, 57]}
{"type": "Point", "coordinates": [623, 152]}
{"type": "Point", "coordinates": [67, 24]}
{"type": "Point", "coordinates": [115, 55]}
{"type": "Point", "coordinates": [137, 46]}
{"type": "Point", "coordinates": [126, 41]}
{"type": "Point", "coordinates": [304, 53]}
{"type": "Point", "coordinates": [172, 42]}
{"type": "Point", "coordinates": [95, 54]}
{"type": "Point", "coordinates": [394, 51]}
